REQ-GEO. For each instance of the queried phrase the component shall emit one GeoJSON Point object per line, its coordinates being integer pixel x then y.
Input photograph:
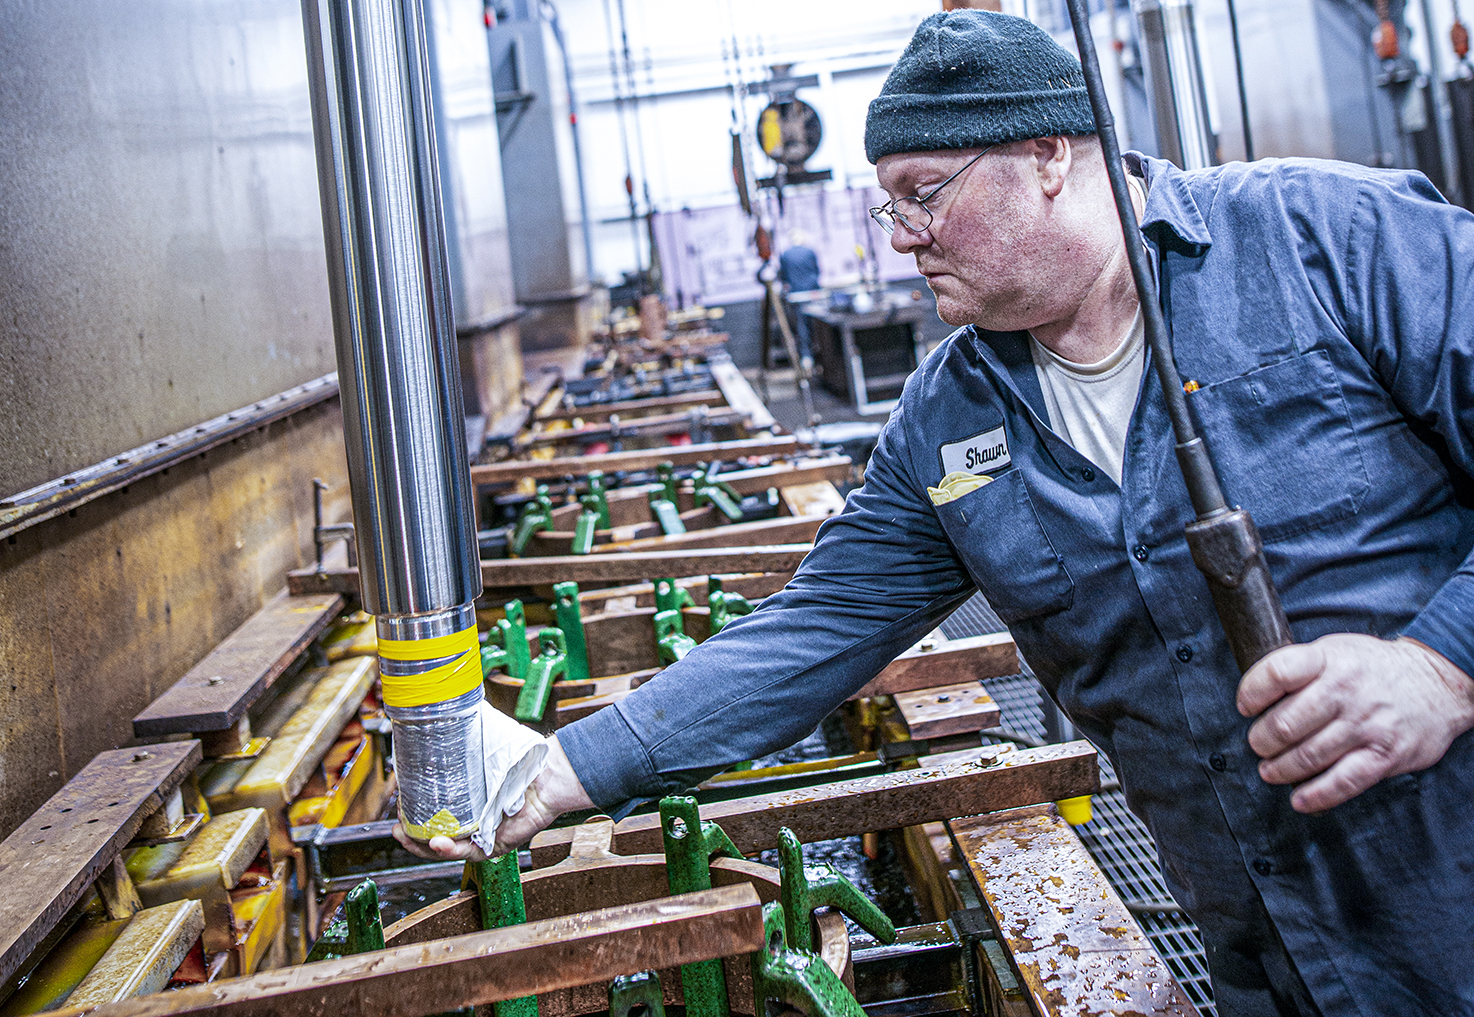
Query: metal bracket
{"type": "Point", "coordinates": [690, 845]}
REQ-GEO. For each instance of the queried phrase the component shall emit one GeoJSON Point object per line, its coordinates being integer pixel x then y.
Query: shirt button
{"type": "Point", "coordinates": [1264, 866]}
{"type": "Point", "coordinates": [1140, 552]}
{"type": "Point", "coordinates": [1184, 653]}
{"type": "Point", "coordinates": [1087, 474]}
{"type": "Point", "coordinates": [1218, 763]}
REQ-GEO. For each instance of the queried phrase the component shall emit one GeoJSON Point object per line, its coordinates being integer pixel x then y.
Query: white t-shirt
{"type": "Point", "coordinates": [1090, 405]}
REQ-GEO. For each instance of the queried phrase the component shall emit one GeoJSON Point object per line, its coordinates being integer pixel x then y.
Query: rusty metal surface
{"type": "Point", "coordinates": [1071, 940]}
{"type": "Point", "coordinates": [513, 573]}
{"type": "Point", "coordinates": [990, 781]}
{"type": "Point", "coordinates": [482, 967]}
{"type": "Point", "coordinates": [52, 858]}
{"type": "Point", "coordinates": [950, 662]}
{"type": "Point", "coordinates": [639, 459]}
{"type": "Point", "coordinates": [948, 710]}
{"type": "Point", "coordinates": [217, 691]}
{"type": "Point", "coordinates": [17, 511]}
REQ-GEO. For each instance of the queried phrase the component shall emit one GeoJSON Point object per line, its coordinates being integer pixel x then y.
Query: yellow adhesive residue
{"type": "Point", "coordinates": [215, 858]}
{"type": "Point", "coordinates": [955, 485]}
{"type": "Point", "coordinates": [442, 824]}
{"type": "Point", "coordinates": [354, 636]}
{"type": "Point", "coordinates": [451, 668]}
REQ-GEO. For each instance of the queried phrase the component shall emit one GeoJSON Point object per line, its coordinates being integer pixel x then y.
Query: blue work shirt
{"type": "Point", "coordinates": [1326, 313]}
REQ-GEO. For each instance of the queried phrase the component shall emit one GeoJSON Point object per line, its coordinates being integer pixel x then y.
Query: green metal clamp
{"type": "Point", "coordinates": [724, 606]}
{"type": "Point", "coordinates": [365, 928]}
{"type": "Point", "coordinates": [499, 894]}
{"type": "Point", "coordinates": [506, 644]}
{"type": "Point", "coordinates": [670, 636]}
{"type": "Point", "coordinates": [537, 516]}
{"type": "Point", "coordinates": [690, 846]}
{"type": "Point", "coordinates": [599, 492]}
{"type": "Point", "coordinates": [629, 993]}
{"type": "Point", "coordinates": [568, 614]}
{"type": "Point", "coordinates": [588, 523]}
{"type": "Point", "coordinates": [796, 977]}
{"type": "Point", "coordinates": [671, 597]}
{"type": "Point", "coordinates": [805, 889]}
{"type": "Point", "coordinates": [666, 474]}
{"type": "Point", "coordinates": [711, 491]}
{"type": "Point", "coordinates": [666, 514]}
{"type": "Point", "coordinates": [547, 667]}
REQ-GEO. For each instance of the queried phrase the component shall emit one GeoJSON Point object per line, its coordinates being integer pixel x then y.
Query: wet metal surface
{"type": "Point", "coordinates": [1076, 948]}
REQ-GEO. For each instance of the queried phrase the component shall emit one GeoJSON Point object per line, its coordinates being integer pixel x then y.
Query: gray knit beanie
{"type": "Point", "coordinates": [972, 78]}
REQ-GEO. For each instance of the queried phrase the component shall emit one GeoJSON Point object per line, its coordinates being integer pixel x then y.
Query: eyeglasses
{"type": "Point", "coordinates": [911, 212]}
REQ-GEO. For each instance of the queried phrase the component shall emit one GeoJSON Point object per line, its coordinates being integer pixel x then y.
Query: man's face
{"type": "Point", "coordinates": [978, 255]}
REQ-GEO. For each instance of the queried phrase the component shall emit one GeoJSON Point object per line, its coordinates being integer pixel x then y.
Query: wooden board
{"type": "Point", "coordinates": [507, 426]}
{"type": "Point", "coordinates": [637, 459]}
{"type": "Point", "coordinates": [1071, 941]}
{"type": "Point", "coordinates": [783, 530]}
{"type": "Point", "coordinates": [949, 662]}
{"type": "Point", "coordinates": [55, 855]}
{"type": "Point", "coordinates": [948, 710]}
{"type": "Point", "coordinates": [483, 967]}
{"type": "Point", "coordinates": [739, 393]}
{"type": "Point", "coordinates": [217, 691]}
{"type": "Point", "coordinates": [752, 585]}
{"type": "Point", "coordinates": [819, 498]}
{"type": "Point", "coordinates": [602, 411]}
{"type": "Point", "coordinates": [644, 427]}
{"type": "Point", "coordinates": [989, 782]}
{"type": "Point", "coordinates": [514, 573]}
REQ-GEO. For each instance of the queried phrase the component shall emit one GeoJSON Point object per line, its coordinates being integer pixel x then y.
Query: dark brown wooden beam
{"type": "Point", "coordinates": [783, 530]}
{"type": "Point", "coordinates": [216, 692]}
{"type": "Point", "coordinates": [993, 780]}
{"type": "Point", "coordinates": [514, 573]}
{"type": "Point", "coordinates": [602, 411]}
{"type": "Point", "coordinates": [483, 967]}
{"type": "Point", "coordinates": [638, 459]}
{"type": "Point", "coordinates": [953, 660]}
{"type": "Point", "coordinates": [55, 855]}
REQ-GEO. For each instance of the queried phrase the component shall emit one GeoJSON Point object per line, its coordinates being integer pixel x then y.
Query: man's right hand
{"type": "Point", "coordinates": [555, 791]}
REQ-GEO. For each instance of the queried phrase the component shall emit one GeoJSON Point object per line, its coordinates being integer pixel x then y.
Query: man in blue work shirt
{"type": "Point", "coordinates": [1314, 817]}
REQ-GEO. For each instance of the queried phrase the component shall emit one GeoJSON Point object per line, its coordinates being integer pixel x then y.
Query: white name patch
{"type": "Point", "coordinates": [982, 453]}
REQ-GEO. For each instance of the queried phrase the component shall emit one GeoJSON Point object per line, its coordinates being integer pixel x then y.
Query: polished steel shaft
{"type": "Point", "coordinates": [1179, 95]}
{"type": "Point", "coordinates": [373, 119]}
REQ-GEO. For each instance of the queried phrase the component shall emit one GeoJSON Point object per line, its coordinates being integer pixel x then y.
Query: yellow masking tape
{"type": "Point", "coordinates": [434, 684]}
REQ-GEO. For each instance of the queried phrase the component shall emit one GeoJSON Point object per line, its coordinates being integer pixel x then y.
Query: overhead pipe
{"type": "Point", "coordinates": [374, 126]}
{"type": "Point", "coordinates": [1174, 75]}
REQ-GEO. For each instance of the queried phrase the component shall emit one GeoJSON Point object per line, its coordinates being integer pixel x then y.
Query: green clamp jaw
{"type": "Point", "coordinates": [537, 516]}
{"type": "Point", "coordinates": [588, 523]}
{"type": "Point", "coordinates": [724, 606]}
{"type": "Point", "coordinates": [498, 885]}
{"type": "Point", "coordinates": [690, 845]}
{"type": "Point", "coordinates": [628, 993]}
{"type": "Point", "coordinates": [506, 644]}
{"type": "Point", "coordinates": [537, 688]}
{"type": "Point", "coordinates": [796, 977]}
{"type": "Point", "coordinates": [600, 494]}
{"type": "Point", "coordinates": [365, 928]}
{"type": "Point", "coordinates": [670, 636]}
{"type": "Point", "coordinates": [710, 491]}
{"type": "Point", "coordinates": [568, 614]}
{"type": "Point", "coordinates": [666, 472]}
{"type": "Point", "coordinates": [666, 514]}
{"type": "Point", "coordinates": [671, 597]}
{"type": "Point", "coordinates": [805, 889]}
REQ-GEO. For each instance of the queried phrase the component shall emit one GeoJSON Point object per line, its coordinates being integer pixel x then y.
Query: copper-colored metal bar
{"type": "Point", "coordinates": [589, 568]}
{"type": "Point", "coordinates": [1072, 943]}
{"type": "Point", "coordinates": [953, 660]}
{"type": "Point", "coordinates": [993, 781]}
{"type": "Point", "coordinates": [639, 459]}
{"type": "Point", "coordinates": [483, 967]}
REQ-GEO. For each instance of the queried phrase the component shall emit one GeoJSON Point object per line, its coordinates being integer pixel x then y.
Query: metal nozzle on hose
{"type": "Point", "coordinates": [403, 418]}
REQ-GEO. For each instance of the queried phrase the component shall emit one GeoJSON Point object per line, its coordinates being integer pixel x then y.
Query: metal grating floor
{"type": "Point", "coordinates": [1115, 838]}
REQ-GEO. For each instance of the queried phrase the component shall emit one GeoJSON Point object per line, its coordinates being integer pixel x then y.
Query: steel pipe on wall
{"type": "Point", "coordinates": [1178, 94]}
{"type": "Point", "coordinates": [374, 127]}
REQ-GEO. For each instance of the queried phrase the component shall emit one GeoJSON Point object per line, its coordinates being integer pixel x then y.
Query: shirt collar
{"type": "Point", "coordinates": [1171, 218]}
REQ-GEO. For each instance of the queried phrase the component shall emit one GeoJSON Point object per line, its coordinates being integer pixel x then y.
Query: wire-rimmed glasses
{"type": "Point", "coordinates": [911, 212]}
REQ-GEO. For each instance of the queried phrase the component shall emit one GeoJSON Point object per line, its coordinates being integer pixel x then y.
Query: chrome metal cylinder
{"type": "Point", "coordinates": [1174, 74]}
{"type": "Point", "coordinates": [373, 119]}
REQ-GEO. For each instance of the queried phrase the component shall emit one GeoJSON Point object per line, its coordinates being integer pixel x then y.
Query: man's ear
{"type": "Point", "coordinates": [1052, 160]}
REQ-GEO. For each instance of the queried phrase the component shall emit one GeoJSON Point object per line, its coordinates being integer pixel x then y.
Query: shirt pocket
{"type": "Point", "coordinates": [1004, 547]}
{"type": "Point", "coordinates": [1284, 445]}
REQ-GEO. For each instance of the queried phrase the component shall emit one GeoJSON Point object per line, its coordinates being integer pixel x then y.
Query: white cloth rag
{"type": "Point", "coordinates": [513, 757]}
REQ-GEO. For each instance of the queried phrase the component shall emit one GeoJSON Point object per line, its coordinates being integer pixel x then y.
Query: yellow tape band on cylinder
{"type": "Point", "coordinates": [435, 684]}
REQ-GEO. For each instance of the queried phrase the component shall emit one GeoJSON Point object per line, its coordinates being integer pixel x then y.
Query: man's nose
{"type": "Point", "coordinates": [903, 241]}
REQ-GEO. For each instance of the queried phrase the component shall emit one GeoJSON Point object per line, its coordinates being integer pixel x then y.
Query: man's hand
{"type": "Point", "coordinates": [1349, 710]}
{"type": "Point", "coordinates": [555, 791]}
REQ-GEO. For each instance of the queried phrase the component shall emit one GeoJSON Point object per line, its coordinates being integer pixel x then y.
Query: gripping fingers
{"type": "Point", "coordinates": [1286, 670]}
{"type": "Point", "coordinates": [1354, 773]}
{"type": "Point", "coordinates": [1310, 757]}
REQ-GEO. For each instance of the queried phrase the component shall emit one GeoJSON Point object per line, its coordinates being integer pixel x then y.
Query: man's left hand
{"type": "Point", "coordinates": [1349, 710]}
